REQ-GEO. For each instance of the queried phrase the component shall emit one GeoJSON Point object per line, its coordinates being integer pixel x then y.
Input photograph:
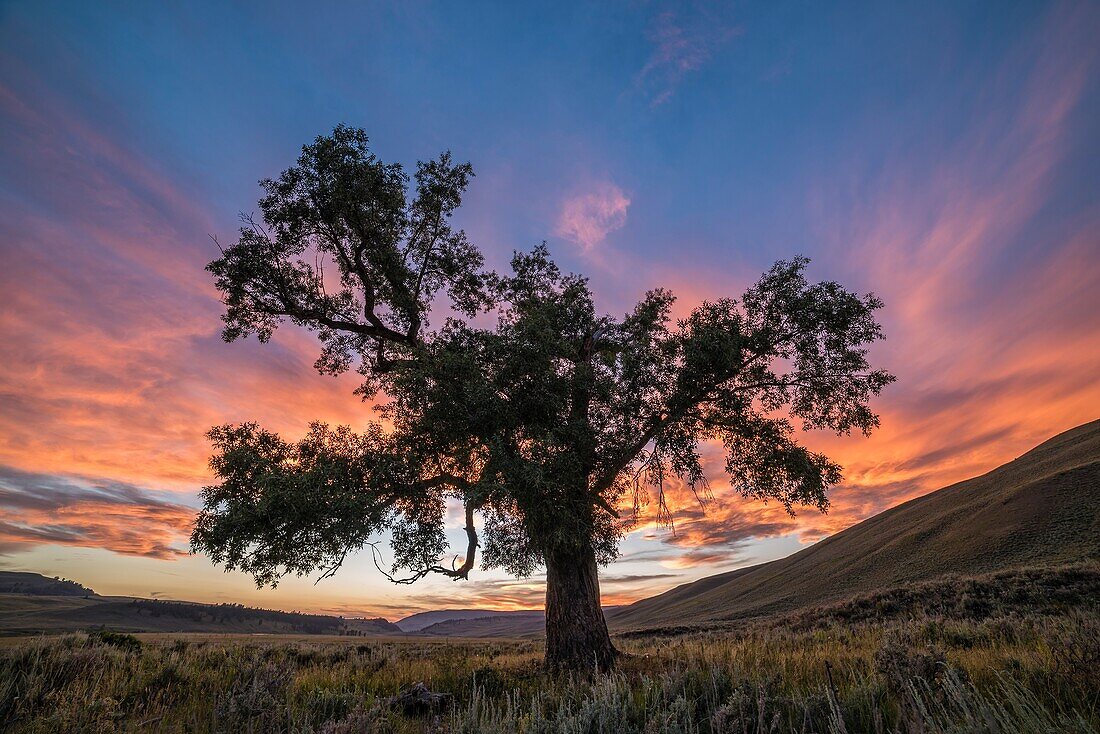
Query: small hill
{"type": "Point", "coordinates": [31, 604]}
{"type": "Point", "coordinates": [1040, 509]}
{"type": "Point", "coordinates": [422, 620]}
{"type": "Point", "coordinates": [21, 582]}
{"type": "Point", "coordinates": [155, 615]}
{"type": "Point", "coordinates": [480, 623]}
{"type": "Point", "coordinates": [505, 624]}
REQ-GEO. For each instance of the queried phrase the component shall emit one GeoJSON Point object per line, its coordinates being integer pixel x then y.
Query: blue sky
{"type": "Point", "coordinates": [940, 154]}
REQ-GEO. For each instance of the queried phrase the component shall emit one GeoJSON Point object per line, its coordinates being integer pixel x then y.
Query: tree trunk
{"type": "Point", "coordinates": [576, 631]}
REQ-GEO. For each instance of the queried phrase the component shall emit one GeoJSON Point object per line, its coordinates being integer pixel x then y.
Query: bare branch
{"type": "Point", "coordinates": [462, 572]}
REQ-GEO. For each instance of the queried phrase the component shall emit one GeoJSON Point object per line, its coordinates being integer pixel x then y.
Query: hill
{"type": "Point", "coordinates": [508, 624]}
{"type": "Point", "coordinates": [21, 582]}
{"type": "Point", "coordinates": [1040, 509]}
{"type": "Point", "coordinates": [30, 604]}
{"type": "Point", "coordinates": [479, 623]}
{"type": "Point", "coordinates": [423, 620]}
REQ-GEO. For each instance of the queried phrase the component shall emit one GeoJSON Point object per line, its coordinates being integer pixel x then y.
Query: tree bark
{"type": "Point", "coordinates": [576, 631]}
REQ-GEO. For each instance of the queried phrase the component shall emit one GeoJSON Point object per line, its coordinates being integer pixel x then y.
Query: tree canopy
{"type": "Point", "coordinates": [509, 393]}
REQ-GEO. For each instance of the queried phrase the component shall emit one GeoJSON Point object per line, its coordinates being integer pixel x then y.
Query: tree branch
{"type": "Point", "coordinates": [462, 572]}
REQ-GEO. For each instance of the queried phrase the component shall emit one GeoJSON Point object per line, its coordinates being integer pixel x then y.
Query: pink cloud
{"type": "Point", "coordinates": [44, 509]}
{"type": "Point", "coordinates": [680, 46]}
{"type": "Point", "coordinates": [996, 343]}
{"type": "Point", "coordinates": [113, 366]}
{"type": "Point", "coordinates": [588, 218]}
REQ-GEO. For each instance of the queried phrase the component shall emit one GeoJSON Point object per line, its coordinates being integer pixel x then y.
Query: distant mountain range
{"type": "Point", "coordinates": [30, 603]}
{"type": "Point", "coordinates": [1042, 509]}
{"type": "Point", "coordinates": [438, 622]}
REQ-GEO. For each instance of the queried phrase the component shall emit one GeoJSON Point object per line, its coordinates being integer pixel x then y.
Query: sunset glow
{"type": "Point", "coordinates": [947, 165]}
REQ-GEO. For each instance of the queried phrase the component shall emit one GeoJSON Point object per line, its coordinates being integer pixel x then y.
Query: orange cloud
{"type": "Point", "coordinates": [115, 516]}
{"type": "Point", "coordinates": [112, 362]}
{"type": "Point", "coordinates": [995, 339]}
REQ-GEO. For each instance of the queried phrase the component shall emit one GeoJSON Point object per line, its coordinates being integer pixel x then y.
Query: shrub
{"type": "Point", "coordinates": [121, 640]}
{"type": "Point", "coordinates": [900, 661]}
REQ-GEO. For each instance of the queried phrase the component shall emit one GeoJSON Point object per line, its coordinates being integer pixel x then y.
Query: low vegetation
{"type": "Point", "coordinates": [909, 667]}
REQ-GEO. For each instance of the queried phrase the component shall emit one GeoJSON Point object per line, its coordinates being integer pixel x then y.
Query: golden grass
{"type": "Point", "coordinates": [765, 677]}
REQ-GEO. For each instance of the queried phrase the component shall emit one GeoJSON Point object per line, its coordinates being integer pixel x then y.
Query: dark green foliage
{"type": "Point", "coordinates": [285, 507]}
{"type": "Point", "coordinates": [541, 424]}
{"type": "Point", "coordinates": [121, 640]}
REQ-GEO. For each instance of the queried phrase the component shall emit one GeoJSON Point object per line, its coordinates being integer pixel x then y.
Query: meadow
{"type": "Point", "coordinates": [987, 666]}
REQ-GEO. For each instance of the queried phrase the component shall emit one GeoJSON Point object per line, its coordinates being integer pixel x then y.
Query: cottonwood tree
{"type": "Point", "coordinates": [552, 426]}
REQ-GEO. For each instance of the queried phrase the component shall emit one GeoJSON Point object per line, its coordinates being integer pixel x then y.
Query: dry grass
{"type": "Point", "coordinates": [1002, 674]}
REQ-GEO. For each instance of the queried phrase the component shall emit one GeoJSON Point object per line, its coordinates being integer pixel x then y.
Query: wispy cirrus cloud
{"type": "Point", "coordinates": [41, 509]}
{"type": "Point", "coordinates": [993, 314]}
{"type": "Point", "coordinates": [588, 217]}
{"type": "Point", "coordinates": [681, 44]}
{"type": "Point", "coordinates": [113, 366]}
{"type": "Point", "coordinates": [994, 335]}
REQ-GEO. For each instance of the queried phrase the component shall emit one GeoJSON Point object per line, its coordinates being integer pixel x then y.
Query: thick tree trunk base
{"type": "Point", "coordinates": [576, 631]}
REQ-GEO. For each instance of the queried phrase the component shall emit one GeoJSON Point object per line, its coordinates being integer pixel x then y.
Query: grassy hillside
{"type": "Point", "coordinates": [1042, 508]}
{"type": "Point", "coordinates": [512, 624]}
{"type": "Point", "coordinates": [423, 620]}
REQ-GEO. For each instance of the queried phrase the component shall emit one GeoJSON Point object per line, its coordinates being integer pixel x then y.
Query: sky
{"type": "Point", "coordinates": [941, 155]}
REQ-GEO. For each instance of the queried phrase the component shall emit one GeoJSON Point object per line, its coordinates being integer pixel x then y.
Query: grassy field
{"type": "Point", "coordinates": [993, 669]}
